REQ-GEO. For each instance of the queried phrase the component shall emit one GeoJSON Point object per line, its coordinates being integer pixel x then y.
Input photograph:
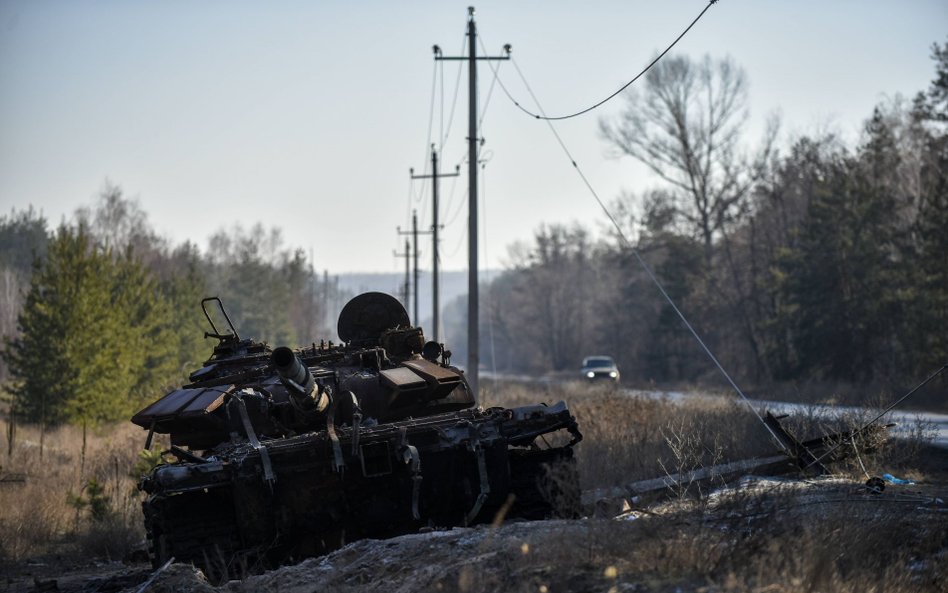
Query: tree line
{"type": "Point", "coordinates": [101, 315]}
{"type": "Point", "coordinates": [826, 262]}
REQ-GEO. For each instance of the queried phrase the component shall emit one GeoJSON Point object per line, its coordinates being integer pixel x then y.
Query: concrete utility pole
{"type": "Point", "coordinates": [436, 308]}
{"type": "Point", "coordinates": [416, 320]}
{"type": "Point", "coordinates": [405, 288]}
{"type": "Point", "coordinates": [473, 343]}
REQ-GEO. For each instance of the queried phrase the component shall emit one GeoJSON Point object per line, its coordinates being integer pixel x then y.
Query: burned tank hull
{"type": "Point", "coordinates": [232, 514]}
{"type": "Point", "coordinates": [372, 439]}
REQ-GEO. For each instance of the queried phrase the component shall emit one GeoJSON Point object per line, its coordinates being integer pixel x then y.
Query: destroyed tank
{"type": "Point", "coordinates": [282, 454]}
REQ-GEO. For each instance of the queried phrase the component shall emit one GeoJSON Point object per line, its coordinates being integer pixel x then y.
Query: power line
{"type": "Point", "coordinates": [490, 302]}
{"type": "Point", "coordinates": [434, 86]}
{"type": "Point", "coordinates": [542, 116]}
{"type": "Point", "coordinates": [450, 203]}
{"type": "Point", "coordinates": [625, 240]}
{"type": "Point", "coordinates": [457, 247]}
{"type": "Point", "coordinates": [457, 210]}
{"type": "Point", "coordinates": [406, 290]}
{"type": "Point", "coordinates": [490, 90]}
{"type": "Point", "coordinates": [454, 101]}
{"type": "Point", "coordinates": [414, 234]}
{"type": "Point", "coordinates": [441, 109]}
{"type": "Point", "coordinates": [411, 183]}
{"type": "Point", "coordinates": [419, 196]}
{"type": "Point", "coordinates": [473, 361]}
{"type": "Point", "coordinates": [444, 139]}
{"type": "Point", "coordinates": [435, 175]}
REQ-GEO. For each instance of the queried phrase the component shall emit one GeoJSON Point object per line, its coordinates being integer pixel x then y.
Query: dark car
{"type": "Point", "coordinates": [600, 367]}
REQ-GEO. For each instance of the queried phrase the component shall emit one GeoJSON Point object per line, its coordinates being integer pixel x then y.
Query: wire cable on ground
{"type": "Point", "coordinates": [644, 265]}
{"type": "Point", "coordinates": [543, 116]}
{"type": "Point", "coordinates": [883, 413]}
{"type": "Point", "coordinates": [852, 439]}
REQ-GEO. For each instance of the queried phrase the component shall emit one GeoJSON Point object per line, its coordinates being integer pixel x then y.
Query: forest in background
{"type": "Point", "coordinates": [101, 314]}
{"type": "Point", "coordinates": [823, 263]}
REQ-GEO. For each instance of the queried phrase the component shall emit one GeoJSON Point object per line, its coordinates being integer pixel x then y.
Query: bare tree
{"type": "Point", "coordinates": [120, 224]}
{"type": "Point", "coordinates": [545, 302]}
{"type": "Point", "coordinates": [11, 300]}
{"type": "Point", "coordinates": [686, 126]}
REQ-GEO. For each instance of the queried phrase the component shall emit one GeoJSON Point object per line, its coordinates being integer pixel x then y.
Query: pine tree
{"type": "Point", "coordinates": [95, 339]}
{"type": "Point", "coordinates": [145, 333]}
{"type": "Point", "coordinates": [840, 279]}
{"type": "Point", "coordinates": [184, 289]}
{"type": "Point", "coordinates": [930, 310]}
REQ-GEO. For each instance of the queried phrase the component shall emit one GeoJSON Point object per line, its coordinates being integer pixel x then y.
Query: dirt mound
{"type": "Point", "coordinates": [472, 559]}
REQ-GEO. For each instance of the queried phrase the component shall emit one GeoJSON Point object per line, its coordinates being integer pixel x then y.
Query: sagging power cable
{"type": "Point", "coordinates": [628, 244]}
{"type": "Point", "coordinates": [454, 101]}
{"type": "Point", "coordinates": [543, 116]}
{"type": "Point", "coordinates": [485, 243]}
{"type": "Point", "coordinates": [490, 89]}
{"type": "Point", "coordinates": [431, 109]}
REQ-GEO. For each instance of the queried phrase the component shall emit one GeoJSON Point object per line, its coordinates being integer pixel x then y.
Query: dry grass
{"type": "Point", "coordinates": [629, 437]}
{"type": "Point", "coordinates": [69, 506]}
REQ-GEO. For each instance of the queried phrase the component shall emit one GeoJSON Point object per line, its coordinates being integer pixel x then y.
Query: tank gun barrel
{"type": "Point", "coordinates": [304, 392]}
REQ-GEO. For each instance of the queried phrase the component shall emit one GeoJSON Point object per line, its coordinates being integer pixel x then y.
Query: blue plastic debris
{"type": "Point", "coordinates": [893, 480]}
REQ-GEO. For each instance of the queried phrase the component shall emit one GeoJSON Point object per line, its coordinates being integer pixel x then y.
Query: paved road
{"type": "Point", "coordinates": [905, 421]}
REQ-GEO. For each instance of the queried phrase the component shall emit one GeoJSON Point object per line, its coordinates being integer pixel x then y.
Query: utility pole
{"type": "Point", "coordinates": [436, 314]}
{"type": "Point", "coordinates": [414, 237]}
{"type": "Point", "coordinates": [406, 255]}
{"type": "Point", "coordinates": [473, 343]}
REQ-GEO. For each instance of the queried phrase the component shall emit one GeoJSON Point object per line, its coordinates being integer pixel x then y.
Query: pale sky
{"type": "Point", "coordinates": [308, 115]}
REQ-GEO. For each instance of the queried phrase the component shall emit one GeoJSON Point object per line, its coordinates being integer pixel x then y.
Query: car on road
{"type": "Point", "coordinates": [600, 368]}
